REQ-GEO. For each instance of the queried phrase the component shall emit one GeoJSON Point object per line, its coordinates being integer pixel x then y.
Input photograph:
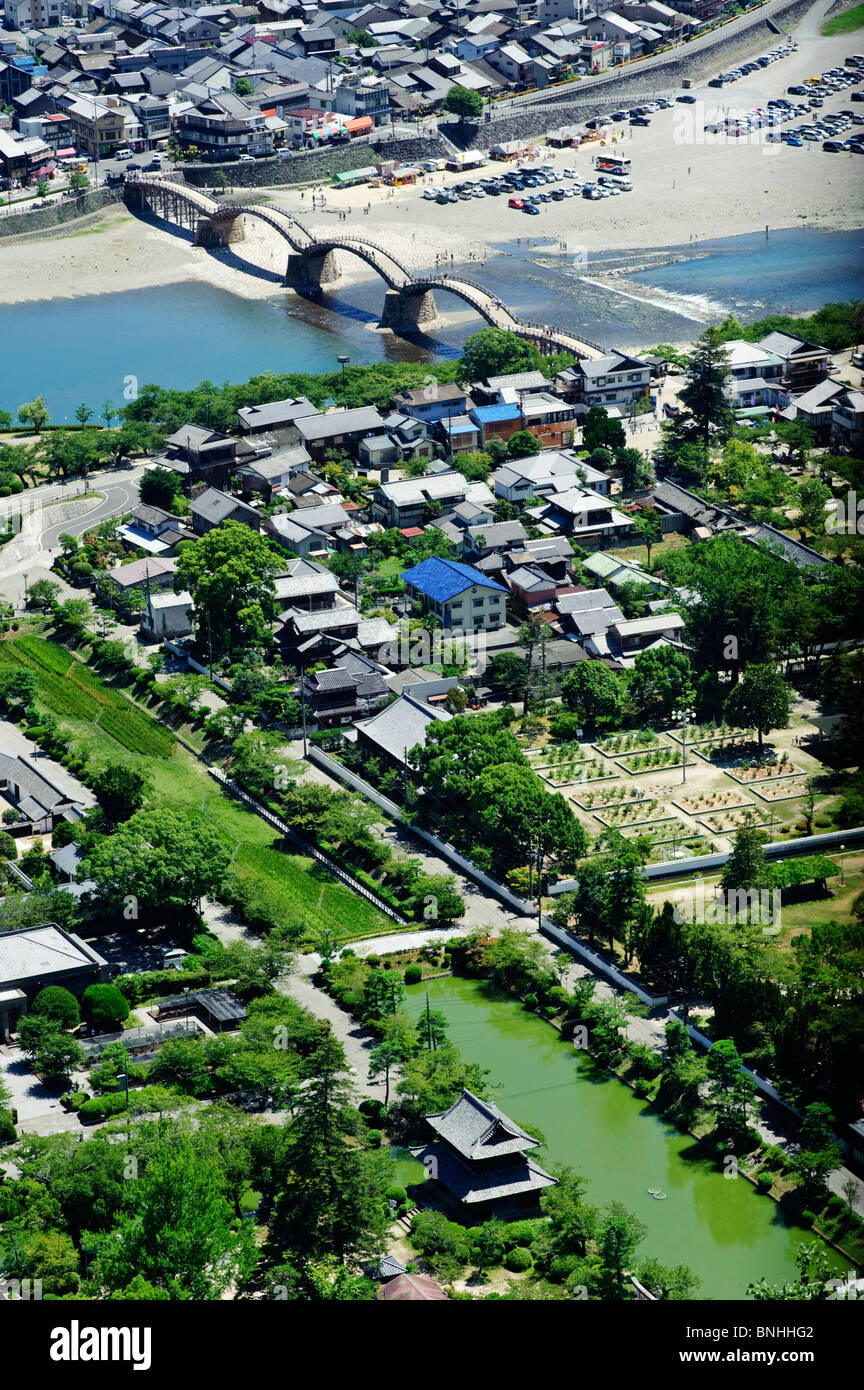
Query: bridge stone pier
{"type": "Point", "coordinates": [409, 310]}
{"type": "Point", "coordinates": [312, 270]}
{"type": "Point", "coordinates": [222, 231]}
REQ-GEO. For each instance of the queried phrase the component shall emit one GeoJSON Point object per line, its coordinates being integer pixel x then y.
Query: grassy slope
{"type": "Point", "coordinates": [99, 717]}
{"type": "Point", "coordinates": [844, 23]}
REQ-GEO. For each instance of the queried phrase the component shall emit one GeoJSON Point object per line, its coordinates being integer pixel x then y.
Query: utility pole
{"type": "Point", "coordinates": [303, 704]}
{"type": "Point", "coordinates": [429, 1037]}
{"type": "Point", "coordinates": [209, 645]}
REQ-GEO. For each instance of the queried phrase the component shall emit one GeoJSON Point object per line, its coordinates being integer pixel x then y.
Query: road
{"type": "Point", "coordinates": [45, 519]}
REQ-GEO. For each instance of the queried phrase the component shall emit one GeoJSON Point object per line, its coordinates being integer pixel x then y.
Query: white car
{"type": "Point", "coordinates": [123, 154]}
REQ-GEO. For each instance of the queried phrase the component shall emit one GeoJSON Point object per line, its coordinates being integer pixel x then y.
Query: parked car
{"type": "Point", "coordinates": [529, 207]}
{"type": "Point", "coordinates": [517, 203]}
{"type": "Point", "coordinates": [687, 99]}
{"type": "Point", "coordinates": [640, 120]}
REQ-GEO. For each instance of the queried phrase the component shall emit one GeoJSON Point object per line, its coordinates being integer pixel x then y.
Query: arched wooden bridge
{"type": "Point", "coordinates": [409, 300]}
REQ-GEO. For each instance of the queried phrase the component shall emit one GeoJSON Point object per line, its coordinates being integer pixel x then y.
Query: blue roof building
{"type": "Point", "coordinates": [458, 595]}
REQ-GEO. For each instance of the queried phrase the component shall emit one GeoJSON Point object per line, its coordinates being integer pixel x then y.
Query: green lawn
{"type": "Point", "coordinates": [639, 553]}
{"type": "Point", "coordinates": [844, 23]}
{"type": "Point", "coordinates": [112, 729]}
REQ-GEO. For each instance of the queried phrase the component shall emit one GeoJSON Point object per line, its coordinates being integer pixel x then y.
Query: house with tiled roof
{"type": "Point", "coordinates": [458, 595]}
{"type": "Point", "coordinates": [480, 1161]}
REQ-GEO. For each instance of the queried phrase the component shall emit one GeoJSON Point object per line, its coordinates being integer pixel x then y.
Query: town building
{"type": "Point", "coordinates": [458, 595]}
{"type": "Point", "coordinates": [35, 957]}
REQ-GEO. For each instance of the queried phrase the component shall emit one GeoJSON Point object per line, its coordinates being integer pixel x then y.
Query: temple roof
{"type": "Point", "coordinates": [472, 1186]}
{"type": "Point", "coordinates": [477, 1130]}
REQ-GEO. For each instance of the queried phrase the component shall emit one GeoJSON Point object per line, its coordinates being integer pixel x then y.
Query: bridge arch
{"type": "Point", "coordinates": [409, 300]}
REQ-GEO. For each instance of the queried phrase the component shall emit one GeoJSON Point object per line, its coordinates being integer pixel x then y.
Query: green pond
{"type": "Point", "coordinates": [721, 1228]}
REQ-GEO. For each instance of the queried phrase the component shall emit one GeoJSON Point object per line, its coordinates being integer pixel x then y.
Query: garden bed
{"type": "Point", "coordinates": [657, 761]}
{"type": "Point", "coordinates": [636, 813]}
{"type": "Point", "coordinates": [571, 773]}
{"type": "Point", "coordinates": [703, 802]}
{"type": "Point", "coordinates": [640, 741]}
{"type": "Point", "coordinates": [784, 789]}
{"type": "Point", "coordinates": [746, 776]}
{"type": "Point", "coordinates": [720, 822]}
{"type": "Point", "coordinates": [712, 733]}
{"type": "Point", "coordinates": [610, 796]}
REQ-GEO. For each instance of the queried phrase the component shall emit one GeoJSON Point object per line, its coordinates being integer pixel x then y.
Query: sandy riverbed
{"type": "Point", "coordinates": [687, 186]}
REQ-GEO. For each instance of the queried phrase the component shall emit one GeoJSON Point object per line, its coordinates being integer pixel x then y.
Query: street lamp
{"type": "Point", "coordinates": [25, 588]}
{"type": "Point", "coordinates": [186, 1008]}
{"type": "Point", "coordinates": [683, 714]}
{"type": "Point", "coordinates": [343, 363]}
{"type": "Point", "coordinates": [842, 866]}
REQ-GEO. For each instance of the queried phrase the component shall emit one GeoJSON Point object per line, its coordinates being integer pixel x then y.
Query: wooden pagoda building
{"type": "Point", "coordinates": [480, 1161]}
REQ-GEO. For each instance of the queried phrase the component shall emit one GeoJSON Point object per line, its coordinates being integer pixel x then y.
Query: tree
{"type": "Point", "coordinates": [649, 529]}
{"type": "Point", "coordinates": [432, 1080]}
{"type": "Point", "coordinates": [730, 1091]}
{"type": "Point", "coordinates": [159, 488]}
{"type": "Point", "coordinates": [43, 188]}
{"type": "Point", "coordinates": [516, 814]}
{"type": "Point", "coordinates": [53, 1052]}
{"type": "Point", "coordinates": [660, 676]}
{"type": "Point", "coordinates": [819, 1153]}
{"type": "Point", "coordinates": [17, 692]}
{"type": "Point", "coordinates": [530, 636]}
{"type": "Point", "coordinates": [108, 412]}
{"type": "Point", "coordinates": [592, 691]}
{"type": "Point", "coordinates": [601, 432]}
{"type": "Point", "coordinates": [243, 87]}
{"type": "Point", "coordinates": [399, 1042]}
{"type": "Point", "coordinates": [331, 1195]}
{"type": "Point", "coordinates": [78, 182]}
{"type": "Point", "coordinates": [812, 496]}
{"type": "Point", "coordinates": [180, 1234]}
{"type": "Point", "coordinates": [704, 395]}
{"type": "Point", "coordinates": [761, 700]}
{"type": "Point", "coordinates": [120, 791]}
{"type": "Point", "coordinates": [495, 352]}
{"type": "Point", "coordinates": [160, 859]}
{"type": "Point", "coordinates": [620, 1233]}
{"type": "Point", "coordinates": [42, 595]}
{"type": "Point", "coordinates": [104, 1007]}
{"type": "Point", "coordinates": [230, 574]}
{"type": "Point", "coordinates": [522, 445]}
{"type": "Point", "coordinates": [462, 102]}
{"type": "Point", "coordinates": [83, 413]}
{"type": "Point", "coordinates": [57, 1004]}
{"type": "Point", "coordinates": [34, 413]}
{"type": "Point", "coordinates": [634, 468]}
{"type": "Point", "coordinates": [746, 867]}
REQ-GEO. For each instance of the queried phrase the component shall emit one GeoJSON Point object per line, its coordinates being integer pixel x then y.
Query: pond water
{"type": "Point", "coordinates": [721, 1228]}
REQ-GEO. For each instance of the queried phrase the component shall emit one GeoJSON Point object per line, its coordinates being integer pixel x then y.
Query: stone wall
{"type": "Point", "coordinates": [40, 219]}
{"type": "Point", "coordinates": [308, 167]}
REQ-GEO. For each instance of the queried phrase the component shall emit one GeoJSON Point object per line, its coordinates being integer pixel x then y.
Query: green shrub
{"type": "Point", "coordinates": [413, 974]}
{"type": "Point", "coordinates": [836, 1205]}
{"type": "Point", "coordinates": [374, 1137]}
{"type": "Point", "coordinates": [518, 1259]}
{"type": "Point", "coordinates": [530, 1001]}
{"type": "Point", "coordinates": [100, 1107]}
{"type": "Point", "coordinates": [372, 961]}
{"type": "Point", "coordinates": [104, 1007]}
{"type": "Point", "coordinates": [764, 1180]}
{"type": "Point", "coordinates": [8, 1133]}
{"type": "Point", "coordinates": [807, 1218]}
{"type": "Point", "coordinates": [73, 1100]}
{"type": "Point", "coordinates": [374, 1112]}
{"type": "Point", "coordinates": [396, 1194]}
{"type": "Point", "coordinates": [58, 1004]}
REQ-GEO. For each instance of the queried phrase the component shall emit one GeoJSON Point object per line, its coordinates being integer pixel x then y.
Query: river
{"type": "Point", "coordinates": [721, 1228]}
{"type": "Point", "coordinates": [90, 348]}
